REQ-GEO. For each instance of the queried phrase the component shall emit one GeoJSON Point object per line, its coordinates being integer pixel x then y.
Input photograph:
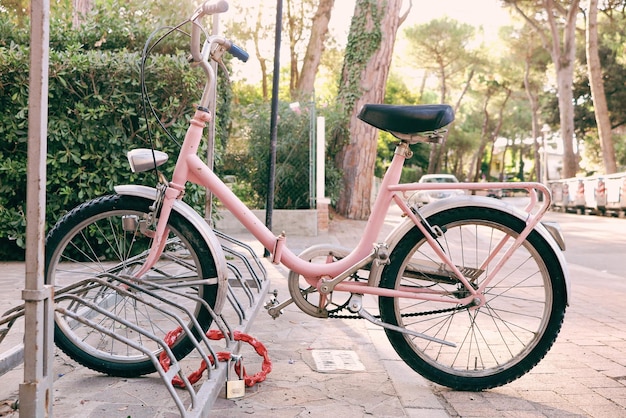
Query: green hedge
{"type": "Point", "coordinates": [95, 116]}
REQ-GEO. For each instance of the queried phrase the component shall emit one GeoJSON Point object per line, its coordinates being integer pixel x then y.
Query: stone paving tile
{"type": "Point", "coordinates": [425, 413]}
{"type": "Point", "coordinates": [584, 374]}
{"type": "Point", "coordinates": [412, 395]}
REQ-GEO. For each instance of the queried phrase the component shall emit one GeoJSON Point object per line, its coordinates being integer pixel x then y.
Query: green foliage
{"type": "Point", "coordinates": [611, 53]}
{"type": "Point", "coordinates": [443, 47]}
{"type": "Point", "coordinates": [410, 174]}
{"type": "Point", "coordinates": [95, 116]}
{"type": "Point", "coordinates": [364, 40]}
{"type": "Point", "coordinates": [292, 156]}
{"type": "Point", "coordinates": [620, 149]}
{"type": "Point", "coordinates": [247, 155]}
{"type": "Point", "coordinates": [110, 25]}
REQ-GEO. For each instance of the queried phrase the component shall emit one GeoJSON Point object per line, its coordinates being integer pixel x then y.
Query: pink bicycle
{"type": "Point", "coordinates": [471, 292]}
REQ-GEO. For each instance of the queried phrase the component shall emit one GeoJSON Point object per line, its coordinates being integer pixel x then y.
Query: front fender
{"type": "Point", "coordinates": [201, 226]}
{"type": "Point", "coordinates": [477, 201]}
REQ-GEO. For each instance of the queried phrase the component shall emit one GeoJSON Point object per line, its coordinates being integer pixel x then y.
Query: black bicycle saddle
{"type": "Point", "coordinates": [407, 119]}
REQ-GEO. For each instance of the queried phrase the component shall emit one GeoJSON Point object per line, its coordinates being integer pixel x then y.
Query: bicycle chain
{"type": "Point", "coordinates": [407, 315]}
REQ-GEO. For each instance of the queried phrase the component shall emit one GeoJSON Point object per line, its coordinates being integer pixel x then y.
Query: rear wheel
{"type": "Point", "coordinates": [104, 239]}
{"type": "Point", "coordinates": [501, 340]}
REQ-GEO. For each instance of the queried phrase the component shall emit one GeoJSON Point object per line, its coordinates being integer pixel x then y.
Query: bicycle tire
{"type": "Point", "coordinates": [496, 343]}
{"type": "Point", "coordinates": [89, 242]}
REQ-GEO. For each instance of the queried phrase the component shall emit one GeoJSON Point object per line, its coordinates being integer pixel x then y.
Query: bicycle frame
{"type": "Point", "coordinates": [330, 276]}
{"type": "Point", "coordinates": [472, 290]}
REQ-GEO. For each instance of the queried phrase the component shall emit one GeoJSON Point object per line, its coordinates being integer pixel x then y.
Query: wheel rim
{"type": "Point", "coordinates": [495, 336]}
{"type": "Point", "coordinates": [79, 256]}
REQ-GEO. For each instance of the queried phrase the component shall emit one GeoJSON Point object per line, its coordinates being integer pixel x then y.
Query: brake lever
{"type": "Point", "coordinates": [216, 56]}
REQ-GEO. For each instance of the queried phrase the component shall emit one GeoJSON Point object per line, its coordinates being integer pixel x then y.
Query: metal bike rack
{"type": "Point", "coordinates": [247, 286]}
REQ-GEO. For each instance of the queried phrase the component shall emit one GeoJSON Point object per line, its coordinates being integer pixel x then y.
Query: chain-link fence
{"type": "Point", "coordinates": [245, 162]}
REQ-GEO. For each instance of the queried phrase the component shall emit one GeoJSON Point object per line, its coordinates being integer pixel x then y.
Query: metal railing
{"type": "Point", "coordinates": [247, 286]}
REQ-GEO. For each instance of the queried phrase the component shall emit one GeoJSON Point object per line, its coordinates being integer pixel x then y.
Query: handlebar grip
{"type": "Point", "coordinates": [209, 8]}
{"type": "Point", "coordinates": [238, 52]}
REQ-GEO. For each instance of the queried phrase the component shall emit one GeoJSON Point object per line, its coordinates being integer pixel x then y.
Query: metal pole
{"type": "Point", "coordinates": [321, 159]}
{"type": "Point", "coordinates": [271, 178]}
{"type": "Point", "coordinates": [208, 208]}
{"type": "Point", "coordinates": [36, 394]}
{"type": "Point", "coordinates": [312, 159]}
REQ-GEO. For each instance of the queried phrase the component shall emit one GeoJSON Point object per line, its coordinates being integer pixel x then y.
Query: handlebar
{"type": "Point", "coordinates": [201, 57]}
{"type": "Point", "coordinates": [238, 52]}
{"type": "Point", "coordinates": [209, 8]}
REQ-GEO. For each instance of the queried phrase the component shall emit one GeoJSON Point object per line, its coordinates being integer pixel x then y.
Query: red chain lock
{"type": "Point", "coordinates": [215, 334]}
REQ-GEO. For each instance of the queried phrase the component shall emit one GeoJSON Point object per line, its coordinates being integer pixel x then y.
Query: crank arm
{"type": "Point", "coordinates": [276, 310]}
{"type": "Point", "coordinates": [356, 306]}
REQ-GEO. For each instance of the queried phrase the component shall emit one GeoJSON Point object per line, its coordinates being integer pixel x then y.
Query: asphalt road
{"type": "Point", "coordinates": [596, 242]}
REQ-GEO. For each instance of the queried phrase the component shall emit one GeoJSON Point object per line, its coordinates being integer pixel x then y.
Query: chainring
{"type": "Point", "coordinates": [307, 297]}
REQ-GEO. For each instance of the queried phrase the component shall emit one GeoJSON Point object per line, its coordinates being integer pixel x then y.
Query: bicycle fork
{"type": "Point", "coordinates": [162, 207]}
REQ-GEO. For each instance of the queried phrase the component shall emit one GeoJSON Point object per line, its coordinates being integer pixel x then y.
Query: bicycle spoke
{"type": "Point", "coordinates": [491, 339]}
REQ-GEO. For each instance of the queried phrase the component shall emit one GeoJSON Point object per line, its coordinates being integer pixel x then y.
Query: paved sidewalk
{"type": "Point", "coordinates": [584, 375]}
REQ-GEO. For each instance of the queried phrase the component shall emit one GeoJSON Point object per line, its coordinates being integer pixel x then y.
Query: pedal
{"type": "Point", "coordinates": [274, 307]}
{"type": "Point", "coordinates": [235, 388]}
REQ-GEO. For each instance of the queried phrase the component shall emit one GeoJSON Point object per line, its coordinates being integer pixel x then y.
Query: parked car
{"type": "Point", "coordinates": [427, 196]}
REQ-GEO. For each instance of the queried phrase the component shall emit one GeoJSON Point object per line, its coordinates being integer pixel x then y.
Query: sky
{"type": "Point", "coordinates": [486, 13]}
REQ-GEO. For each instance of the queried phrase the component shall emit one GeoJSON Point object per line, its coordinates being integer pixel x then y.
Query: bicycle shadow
{"type": "Point", "coordinates": [505, 401]}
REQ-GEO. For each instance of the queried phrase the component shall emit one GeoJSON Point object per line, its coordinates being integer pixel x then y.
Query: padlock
{"type": "Point", "coordinates": [235, 388]}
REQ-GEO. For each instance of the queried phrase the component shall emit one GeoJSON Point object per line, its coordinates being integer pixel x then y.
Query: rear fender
{"type": "Point", "coordinates": [551, 235]}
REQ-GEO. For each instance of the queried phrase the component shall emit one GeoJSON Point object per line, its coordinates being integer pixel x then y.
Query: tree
{"type": "Point", "coordinates": [555, 22]}
{"type": "Point", "coordinates": [441, 47]}
{"type": "Point", "coordinates": [492, 88]}
{"type": "Point", "coordinates": [303, 24]}
{"type": "Point", "coordinates": [315, 48]}
{"type": "Point", "coordinates": [532, 59]}
{"type": "Point", "coordinates": [80, 10]}
{"type": "Point", "coordinates": [296, 23]}
{"type": "Point", "coordinates": [18, 9]}
{"type": "Point", "coordinates": [301, 82]}
{"type": "Point", "coordinates": [258, 27]}
{"type": "Point", "coordinates": [363, 78]}
{"type": "Point", "coordinates": [597, 90]}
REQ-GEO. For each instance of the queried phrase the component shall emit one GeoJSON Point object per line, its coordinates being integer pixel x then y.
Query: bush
{"type": "Point", "coordinates": [248, 158]}
{"type": "Point", "coordinates": [111, 25]}
{"type": "Point", "coordinates": [94, 117]}
{"type": "Point", "coordinates": [292, 157]}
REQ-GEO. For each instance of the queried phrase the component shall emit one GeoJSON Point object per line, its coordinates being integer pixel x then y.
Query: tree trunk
{"type": "Point", "coordinates": [487, 136]}
{"type": "Point", "coordinates": [484, 137]}
{"type": "Point", "coordinates": [600, 107]}
{"type": "Point", "coordinates": [295, 33]}
{"type": "Point", "coordinates": [81, 10]}
{"type": "Point", "coordinates": [564, 59]}
{"type": "Point", "coordinates": [364, 76]}
{"type": "Point", "coordinates": [437, 151]}
{"type": "Point", "coordinates": [315, 48]}
{"type": "Point", "coordinates": [260, 57]}
{"type": "Point", "coordinates": [534, 113]}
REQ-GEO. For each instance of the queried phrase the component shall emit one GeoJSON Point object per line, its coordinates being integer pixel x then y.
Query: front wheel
{"type": "Point", "coordinates": [501, 340]}
{"type": "Point", "coordinates": [108, 238]}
